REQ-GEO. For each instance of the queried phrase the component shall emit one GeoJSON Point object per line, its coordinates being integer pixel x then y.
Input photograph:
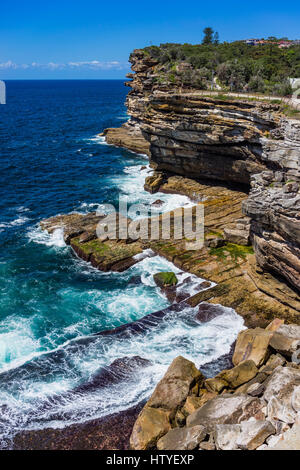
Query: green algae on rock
{"type": "Point", "coordinates": [165, 279]}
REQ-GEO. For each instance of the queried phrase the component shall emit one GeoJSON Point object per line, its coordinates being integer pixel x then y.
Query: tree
{"type": "Point", "coordinates": [216, 38]}
{"type": "Point", "coordinates": [208, 36]}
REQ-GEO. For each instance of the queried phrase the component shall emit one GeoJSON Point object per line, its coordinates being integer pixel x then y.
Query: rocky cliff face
{"type": "Point", "coordinates": [230, 140]}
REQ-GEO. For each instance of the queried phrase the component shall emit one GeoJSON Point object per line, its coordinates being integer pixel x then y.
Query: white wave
{"type": "Point", "coordinates": [22, 209]}
{"type": "Point", "coordinates": [13, 223]}
{"type": "Point", "coordinates": [17, 342]}
{"type": "Point", "coordinates": [42, 237]}
{"type": "Point", "coordinates": [175, 335]}
{"type": "Point", "coordinates": [144, 254]}
{"type": "Point", "coordinates": [132, 189]}
{"type": "Point", "coordinates": [86, 207]}
{"type": "Point", "coordinates": [98, 139]}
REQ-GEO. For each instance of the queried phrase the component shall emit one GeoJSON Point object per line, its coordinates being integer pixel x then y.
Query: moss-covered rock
{"type": "Point", "coordinates": [165, 279]}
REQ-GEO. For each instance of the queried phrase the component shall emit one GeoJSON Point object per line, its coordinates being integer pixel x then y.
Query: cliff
{"type": "Point", "coordinates": [248, 144]}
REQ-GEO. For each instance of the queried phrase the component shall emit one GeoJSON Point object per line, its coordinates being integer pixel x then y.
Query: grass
{"type": "Point", "coordinates": [214, 233]}
{"type": "Point", "coordinates": [290, 112]}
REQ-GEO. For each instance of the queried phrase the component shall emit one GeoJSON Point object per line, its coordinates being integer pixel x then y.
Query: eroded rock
{"type": "Point", "coordinates": [182, 438]}
{"type": "Point", "coordinates": [174, 387]}
{"type": "Point", "coordinates": [226, 436]}
{"type": "Point", "coordinates": [238, 375]}
{"type": "Point", "coordinates": [151, 424]}
{"type": "Point", "coordinates": [252, 344]}
{"type": "Point", "coordinates": [225, 409]}
{"type": "Point", "coordinates": [254, 433]}
{"type": "Point", "coordinates": [279, 391]}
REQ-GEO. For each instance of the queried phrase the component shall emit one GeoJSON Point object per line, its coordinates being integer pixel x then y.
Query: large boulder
{"type": "Point", "coordinates": [169, 395]}
{"type": "Point", "coordinates": [182, 438]}
{"type": "Point", "coordinates": [239, 374]}
{"type": "Point", "coordinates": [279, 393]}
{"type": "Point", "coordinates": [152, 423]}
{"type": "Point", "coordinates": [275, 324]}
{"type": "Point", "coordinates": [238, 236]}
{"type": "Point", "coordinates": [225, 409]}
{"type": "Point", "coordinates": [165, 279]}
{"type": "Point", "coordinates": [286, 340]}
{"type": "Point", "coordinates": [274, 361]}
{"type": "Point", "coordinates": [292, 331]}
{"type": "Point", "coordinates": [247, 435]}
{"type": "Point", "coordinates": [226, 436]}
{"type": "Point", "coordinates": [153, 182]}
{"type": "Point", "coordinates": [289, 440]}
{"type": "Point", "coordinates": [215, 384]}
{"type": "Point", "coordinates": [252, 344]}
{"type": "Point", "coordinates": [254, 433]}
{"type": "Point", "coordinates": [173, 389]}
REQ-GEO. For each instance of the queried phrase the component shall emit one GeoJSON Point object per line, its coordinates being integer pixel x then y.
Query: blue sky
{"type": "Point", "coordinates": [93, 39]}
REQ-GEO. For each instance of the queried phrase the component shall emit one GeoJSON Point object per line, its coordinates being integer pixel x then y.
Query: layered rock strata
{"type": "Point", "coordinates": [231, 140]}
{"type": "Point", "coordinates": [257, 296]}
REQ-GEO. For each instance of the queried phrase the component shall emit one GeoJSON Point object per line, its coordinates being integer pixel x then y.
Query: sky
{"type": "Point", "coordinates": [89, 39]}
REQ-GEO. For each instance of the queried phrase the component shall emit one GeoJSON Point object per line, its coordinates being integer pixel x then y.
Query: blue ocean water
{"type": "Point", "coordinates": [52, 162]}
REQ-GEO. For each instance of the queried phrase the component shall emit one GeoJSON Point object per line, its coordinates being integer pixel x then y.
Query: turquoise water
{"type": "Point", "coordinates": [51, 302]}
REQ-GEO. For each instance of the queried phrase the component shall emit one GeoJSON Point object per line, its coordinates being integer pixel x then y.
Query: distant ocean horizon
{"type": "Point", "coordinates": [52, 304]}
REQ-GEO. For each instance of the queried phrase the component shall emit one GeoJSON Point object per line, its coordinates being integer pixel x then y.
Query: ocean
{"type": "Point", "coordinates": [52, 304]}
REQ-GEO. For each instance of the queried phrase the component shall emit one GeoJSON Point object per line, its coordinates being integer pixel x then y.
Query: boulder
{"type": "Point", "coordinates": [283, 344]}
{"type": "Point", "coordinates": [278, 409]}
{"type": "Point", "coordinates": [226, 436]}
{"type": "Point", "coordinates": [151, 425]}
{"type": "Point", "coordinates": [215, 385]}
{"type": "Point", "coordinates": [296, 399]}
{"type": "Point", "coordinates": [286, 339]}
{"type": "Point", "coordinates": [275, 324]}
{"type": "Point", "coordinates": [214, 241]}
{"type": "Point", "coordinates": [157, 203]}
{"type": "Point", "coordinates": [252, 344]}
{"type": "Point", "coordinates": [247, 435]}
{"type": "Point", "coordinates": [225, 409]}
{"type": "Point", "coordinates": [179, 419]}
{"type": "Point", "coordinates": [207, 445]}
{"type": "Point", "coordinates": [182, 438]}
{"type": "Point", "coordinates": [274, 361]}
{"type": "Point", "coordinates": [292, 331]}
{"type": "Point", "coordinates": [256, 390]}
{"type": "Point", "coordinates": [194, 403]}
{"type": "Point", "coordinates": [258, 379]}
{"type": "Point", "coordinates": [239, 374]}
{"type": "Point", "coordinates": [254, 433]}
{"type": "Point", "coordinates": [237, 236]}
{"type": "Point", "coordinates": [173, 389]}
{"type": "Point", "coordinates": [289, 440]}
{"type": "Point", "coordinates": [207, 312]}
{"type": "Point", "coordinates": [279, 391]}
{"type": "Point", "coordinates": [153, 182]}
{"type": "Point", "coordinates": [165, 279]}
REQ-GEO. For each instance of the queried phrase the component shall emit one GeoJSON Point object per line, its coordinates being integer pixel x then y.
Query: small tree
{"type": "Point", "coordinates": [208, 36]}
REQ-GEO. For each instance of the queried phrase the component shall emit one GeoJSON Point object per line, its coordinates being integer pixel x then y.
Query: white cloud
{"type": "Point", "coordinates": [88, 64]}
{"type": "Point", "coordinates": [8, 65]}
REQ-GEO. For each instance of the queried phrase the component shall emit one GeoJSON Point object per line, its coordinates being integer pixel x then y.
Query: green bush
{"type": "Point", "coordinates": [237, 66]}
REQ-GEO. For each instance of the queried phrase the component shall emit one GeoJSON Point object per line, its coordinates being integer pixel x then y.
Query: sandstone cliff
{"type": "Point", "coordinates": [244, 143]}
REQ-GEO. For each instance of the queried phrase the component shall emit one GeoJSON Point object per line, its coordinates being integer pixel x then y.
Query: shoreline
{"type": "Point", "coordinates": [76, 432]}
{"type": "Point", "coordinates": [213, 295]}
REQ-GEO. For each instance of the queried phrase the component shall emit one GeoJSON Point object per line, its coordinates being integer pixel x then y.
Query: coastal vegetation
{"type": "Point", "coordinates": [236, 66]}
